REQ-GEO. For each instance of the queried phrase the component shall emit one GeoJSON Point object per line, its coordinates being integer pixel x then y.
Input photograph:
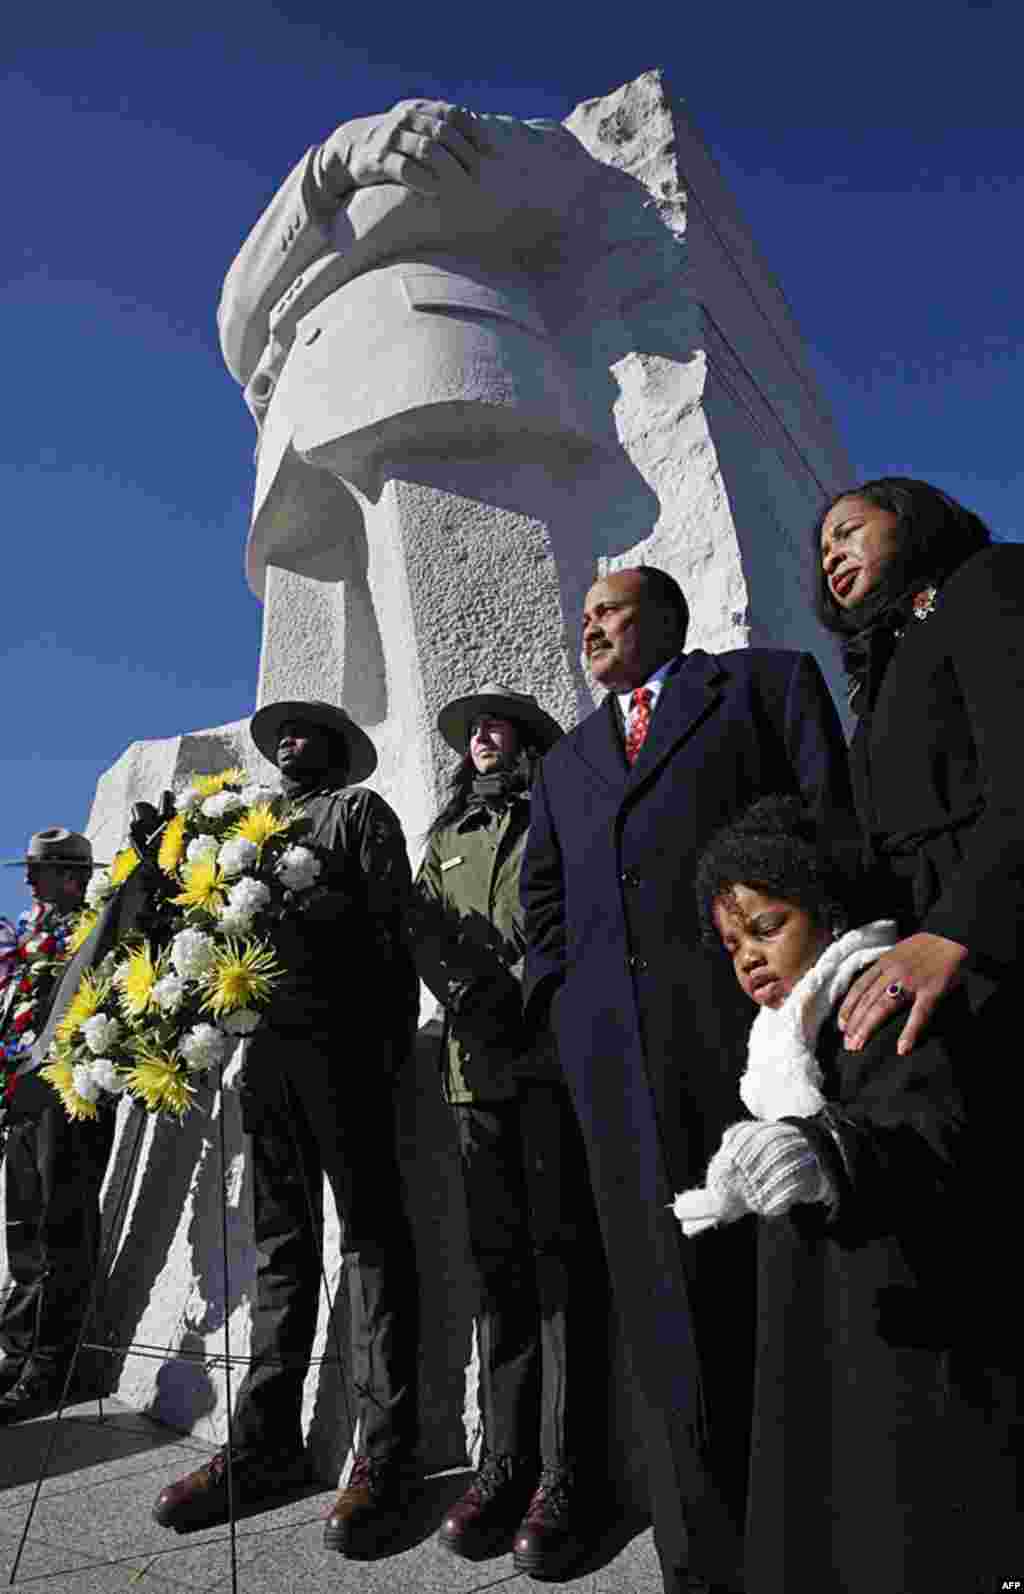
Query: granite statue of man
{"type": "Point", "coordinates": [396, 293]}
{"type": "Point", "coordinates": [317, 1096]}
{"type": "Point", "coordinates": [54, 1168]}
{"type": "Point", "coordinates": [651, 1033]}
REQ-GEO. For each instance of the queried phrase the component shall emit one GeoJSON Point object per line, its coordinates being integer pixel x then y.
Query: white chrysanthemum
{"type": "Point", "coordinates": [221, 804]}
{"type": "Point", "coordinates": [251, 795]}
{"type": "Point", "coordinates": [98, 889]}
{"type": "Point", "coordinates": [106, 1076]}
{"type": "Point", "coordinates": [297, 869]}
{"type": "Point", "coordinates": [203, 1047]}
{"type": "Point", "coordinates": [233, 921]}
{"type": "Point", "coordinates": [201, 847]}
{"type": "Point", "coordinates": [242, 1022]}
{"type": "Point", "coordinates": [169, 993]}
{"type": "Point", "coordinates": [188, 799]}
{"type": "Point", "coordinates": [100, 1033]}
{"type": "Point", "coordinates": [249, 896]}
{"type": "Point", "coordinates": [85, 1084]}
{"type": "Point", "coordinates": [237, 855]}
{"type": "Point", "coordinates": [192, 953]}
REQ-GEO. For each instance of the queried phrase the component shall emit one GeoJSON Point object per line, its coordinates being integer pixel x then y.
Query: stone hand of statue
{"type": "Point", "coordinates": [918, 971]}
{"type": "Point", "coordinates": [423, 145]}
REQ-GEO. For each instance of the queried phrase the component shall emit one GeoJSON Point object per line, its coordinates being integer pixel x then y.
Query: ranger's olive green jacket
{"type": "Point", "coordinates": [467, 929]}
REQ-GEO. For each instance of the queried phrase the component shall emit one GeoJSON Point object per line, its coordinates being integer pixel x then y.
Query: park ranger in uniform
{"type": "Point", "coordinates": [533, 1238]}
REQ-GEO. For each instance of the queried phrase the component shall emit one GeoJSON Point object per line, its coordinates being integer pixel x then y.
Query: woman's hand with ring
{"type": "Point", "coordinates": [921, 970]}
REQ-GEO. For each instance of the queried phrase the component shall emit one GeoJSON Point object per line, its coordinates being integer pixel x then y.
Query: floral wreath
{"type": "Point", "coordinates": [28, 954]}
{"type": "Point", "coordinates": [163, 1008]}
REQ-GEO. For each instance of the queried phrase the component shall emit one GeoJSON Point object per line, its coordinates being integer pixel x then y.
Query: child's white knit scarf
{"type": "Point", "coordinates": [783, 1076]}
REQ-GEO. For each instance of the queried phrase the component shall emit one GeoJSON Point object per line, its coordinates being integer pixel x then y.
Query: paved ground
{"type": "Point", "coordinates": [91, 1532]}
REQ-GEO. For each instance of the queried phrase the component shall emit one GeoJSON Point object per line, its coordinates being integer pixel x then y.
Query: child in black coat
{"type": "Point", "coordinates": [881, 1460]}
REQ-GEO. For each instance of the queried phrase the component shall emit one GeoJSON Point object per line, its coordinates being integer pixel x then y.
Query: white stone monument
{"type": "Point", "coordinates": [466, 412]}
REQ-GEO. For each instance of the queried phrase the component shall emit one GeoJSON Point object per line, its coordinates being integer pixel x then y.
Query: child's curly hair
{"type": "Point", "coordinates": [774, 847]}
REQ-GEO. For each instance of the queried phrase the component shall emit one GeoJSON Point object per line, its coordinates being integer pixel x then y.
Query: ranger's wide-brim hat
{"type": "Point", "coordinates": [502, 703]}
{"type": "Point", "coordinates": [265, 728]}
{"type": "Point", "coordinates": [57, 845]}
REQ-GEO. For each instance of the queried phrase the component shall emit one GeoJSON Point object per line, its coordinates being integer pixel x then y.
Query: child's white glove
{"type": "Point", "coordinates": [760, 1167]}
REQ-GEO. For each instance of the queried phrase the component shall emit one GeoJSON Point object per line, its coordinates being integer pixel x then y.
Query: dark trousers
{"type": "Point", "coordinates": [315, 1106]}
{"type": "Point", "coordinates": [534, 1245]}
{"type": "Point", "coordinates": [52, 1176]}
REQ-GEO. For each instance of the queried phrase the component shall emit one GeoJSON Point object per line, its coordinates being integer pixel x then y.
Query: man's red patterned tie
{"type": "Point", "coordinates": [639, 721]}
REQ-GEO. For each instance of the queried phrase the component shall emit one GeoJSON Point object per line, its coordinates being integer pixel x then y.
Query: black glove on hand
{"type": "Point", "coordinates": [487, 1011]}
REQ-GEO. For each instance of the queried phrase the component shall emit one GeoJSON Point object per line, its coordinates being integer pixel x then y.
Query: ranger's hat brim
{"type": "Point", "coordinates": [265, 729]}
{"type": "Point", "coordinates": [57, 846]}
{"type": "Point", "coordinates": [500, 702]}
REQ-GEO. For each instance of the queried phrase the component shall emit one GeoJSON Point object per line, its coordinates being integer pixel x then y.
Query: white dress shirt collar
{"type": "Point", "coordinates": [654, 686]}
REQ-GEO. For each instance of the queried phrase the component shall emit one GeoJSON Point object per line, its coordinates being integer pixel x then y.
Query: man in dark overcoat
{"type": "Point", "coordinates": [650, 1026]}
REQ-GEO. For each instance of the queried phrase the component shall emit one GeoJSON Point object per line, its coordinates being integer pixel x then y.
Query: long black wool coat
{"type": "Point", "coordinates": [651, 1031]}
{"type": "Point", "coordinates": [938, 769]}
{"type": "Point", "coordinates": [874, 1469]}
{"type": "Point", "coordinates": [938, 773]}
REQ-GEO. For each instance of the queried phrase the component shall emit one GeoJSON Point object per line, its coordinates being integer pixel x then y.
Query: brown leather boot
{"type": "Point", "coordinates": [486, 1515]}
{"type": "Point", "coordinates": [367, 1511]}
{"type": "Point", "coordinates": [547, 1541]}
{"type": "Point", "coordinates": [200, 1498]}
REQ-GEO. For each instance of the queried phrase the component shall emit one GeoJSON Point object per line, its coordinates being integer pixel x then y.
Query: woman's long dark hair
{"type": "Point", "coordinates": [936, 535]}
{"type": "Point", "coordinates": [458, 789]}
{"type": "Point", "coordinates": [461, 784]}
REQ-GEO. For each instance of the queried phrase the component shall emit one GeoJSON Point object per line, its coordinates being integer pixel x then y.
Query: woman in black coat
{"type": "Point", "coordinates": [932, 620]}
{"type": "Point", "coordinates": [931, 614]}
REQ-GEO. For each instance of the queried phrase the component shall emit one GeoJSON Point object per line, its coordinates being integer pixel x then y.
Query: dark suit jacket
{"type": "Point", "coordinates": [651, 1026]}
{"type": "Point", "coordinates": [611, 916]}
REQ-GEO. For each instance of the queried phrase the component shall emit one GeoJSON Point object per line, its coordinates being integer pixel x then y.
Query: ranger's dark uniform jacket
{"type": "Point", "coordinates": [344, 951]}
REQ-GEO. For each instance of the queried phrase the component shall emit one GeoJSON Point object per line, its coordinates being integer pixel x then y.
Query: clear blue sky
{"type": "Point", "coordinates": [875, 151]}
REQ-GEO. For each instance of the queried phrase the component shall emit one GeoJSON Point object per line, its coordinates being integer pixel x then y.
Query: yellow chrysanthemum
{"type": "Point", "coordinates": [172, 844]}
{"type": "Point", "coordinates": [61, 1076]}
{"type": "Point", "coordinates": [210, 785]}
{"type": "Point", "coordinates": [86, 1001]}
{"type": "Point", "coordinates": [242, 975]}
{"type": "Point", "coordinates": [124, 863]}
{"type": "Point", "coordinates": [135, 979]}
{"type": "Point", "coordinates": [159, 1082]}
{"type": "Point", "coordinates": [83, 928]}
{"type": "Point", "coordinates": [260, 824]}
{"type": "Point", "coordinates": [205, 887]}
